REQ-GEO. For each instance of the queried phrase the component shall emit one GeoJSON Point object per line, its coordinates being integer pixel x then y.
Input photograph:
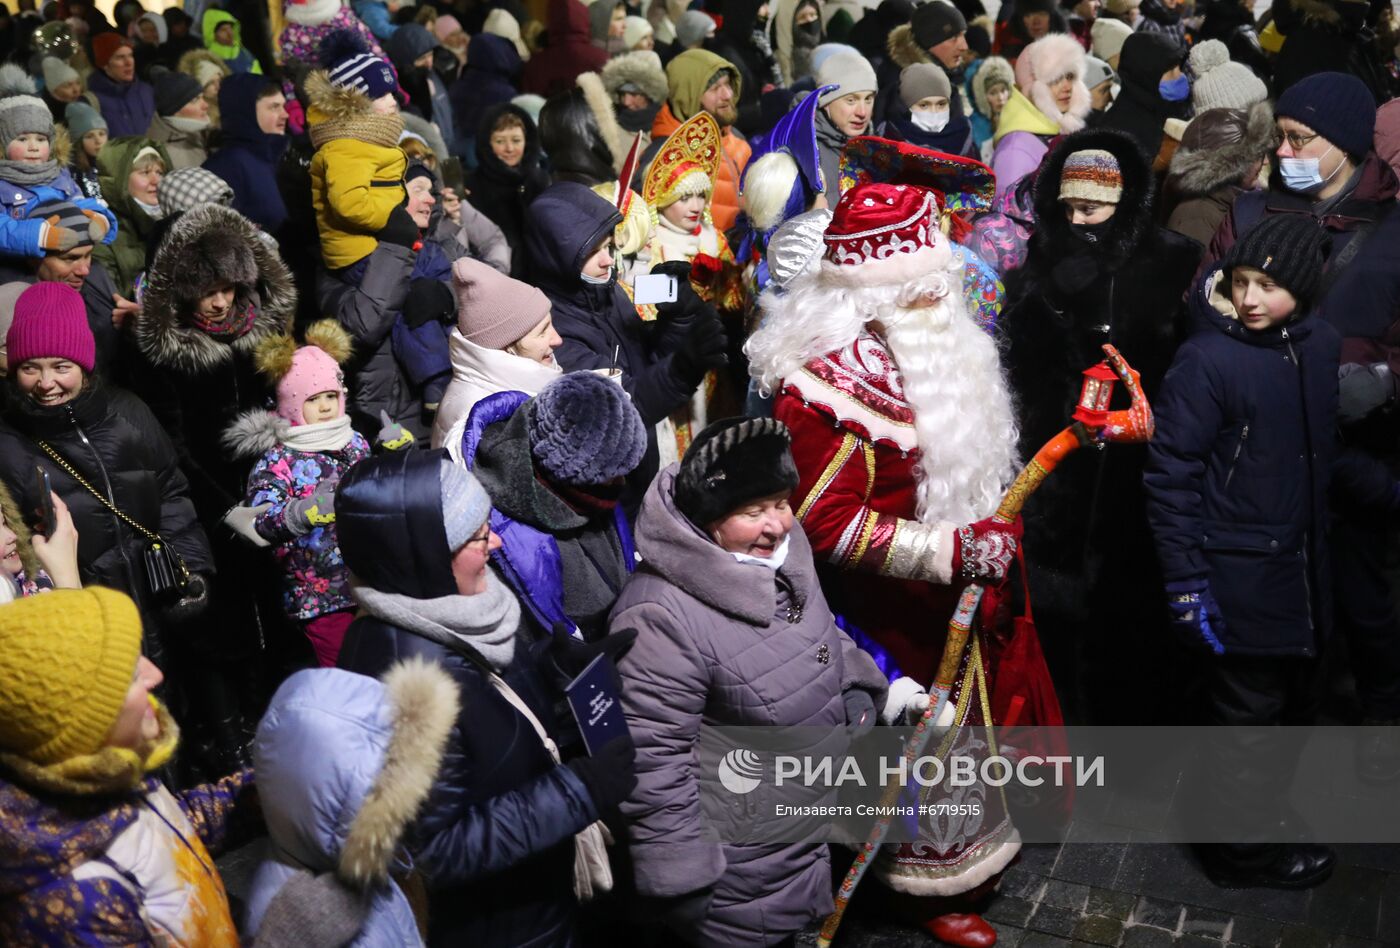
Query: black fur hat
{"type": "Point", "coordinates": [732, 462]}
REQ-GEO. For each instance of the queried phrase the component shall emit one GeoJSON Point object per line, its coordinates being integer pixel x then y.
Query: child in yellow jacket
{"type": "Point", "coordinates": [357, 172]}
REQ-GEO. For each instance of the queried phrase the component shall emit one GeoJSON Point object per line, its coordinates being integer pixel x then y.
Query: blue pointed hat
{"type": "Point", "coordinates": [796, 134]}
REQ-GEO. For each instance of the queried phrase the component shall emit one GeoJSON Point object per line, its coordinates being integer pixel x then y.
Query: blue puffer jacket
{"type": "Point", "coordinates": [20, 237]}
{"type": "Point", "coordinates": [529, 558]}
{"type": "Point", "coordinates": [321, 752]}
{"type": "Point", "coordinates": [495, 839]}
{"type": "Point", "coordinates": [1239, 470]}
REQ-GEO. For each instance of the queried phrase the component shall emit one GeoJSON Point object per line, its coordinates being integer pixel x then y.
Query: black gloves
{"type": "Point", "coordinates": [567, 656]}
{"type": "Point", "coordinates": [428, 301]}
{"type": "Point", "coordinates": [608, 775]}
{"type": "Point", "coordinates": [687, 301]}
{"type": "Point", "coordinates": [400, 229]}
{"type": "Point", "coordinates": [194, 599]}
{"type": "Point", "coordinates": [703, 348]}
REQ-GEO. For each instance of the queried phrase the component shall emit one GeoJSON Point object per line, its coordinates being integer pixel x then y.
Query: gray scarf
{"type": "Point", "coordinates": [485, 623]}
{"type": "Point", "coordinates": [27, 174]}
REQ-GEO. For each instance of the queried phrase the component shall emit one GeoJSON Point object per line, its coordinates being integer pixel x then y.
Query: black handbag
{"type": "Point", "coordinates": [167, 576]}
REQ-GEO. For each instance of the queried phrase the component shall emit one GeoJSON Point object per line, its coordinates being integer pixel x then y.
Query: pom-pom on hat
{"type": "Point", "coordinates": [21, 109]}
{"type": "Point", "coordinates": [584, 430]}
{"type": "Point", "coordinates": [733, 462]}
{"type": "Point", "coordinates": [1092, 175]}
{"type": "Point", "coordinates": [299, 372]}
{"type": "Point", "coordinates": [351, 64]}
{"type": "Point", "coordinates": [1291, 248]}
{"type": "Point", "coordinates": [51, 323]}
{"type": "Point", "coordinates": [1220, 83]}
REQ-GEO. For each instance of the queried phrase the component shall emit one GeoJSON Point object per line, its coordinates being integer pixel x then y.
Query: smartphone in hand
{"type": "Point", "coordinates": [48, 520]}
{"type": "Point", "coordinates": [653, 288]}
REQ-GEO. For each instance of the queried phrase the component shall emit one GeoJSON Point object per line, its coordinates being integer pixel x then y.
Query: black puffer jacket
{"type": "Point", "coordinates": [494, 839]}
{"type": "Point", "coordinates": [113, 441]}
{"type": "Point", "coordinates": [566, 223]}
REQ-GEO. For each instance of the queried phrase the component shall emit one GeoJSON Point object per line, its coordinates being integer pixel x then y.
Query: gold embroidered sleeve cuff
{"type": "Point", "coordinates": [920, 551]}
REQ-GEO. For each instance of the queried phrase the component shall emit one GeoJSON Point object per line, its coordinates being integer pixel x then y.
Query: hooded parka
{"type": "Point", "coordinates": [724, 643]}
{"type": "Point", "coordinates": [494, 839]}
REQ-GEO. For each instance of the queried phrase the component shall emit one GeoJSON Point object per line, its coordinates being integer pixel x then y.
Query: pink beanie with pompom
{"type": "Point", "coordinates": [312, 372]}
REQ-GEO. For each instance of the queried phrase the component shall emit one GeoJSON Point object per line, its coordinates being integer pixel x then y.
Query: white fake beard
{"type": "Point", "coordinates": [963, 418]}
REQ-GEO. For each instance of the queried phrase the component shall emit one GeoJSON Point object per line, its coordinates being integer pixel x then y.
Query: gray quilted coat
{"type": "Point", "coordinates": [724, 643]}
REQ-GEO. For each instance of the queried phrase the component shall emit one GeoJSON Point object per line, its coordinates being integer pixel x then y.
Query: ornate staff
{"type": "Point", "coordinates": [1093, 424]}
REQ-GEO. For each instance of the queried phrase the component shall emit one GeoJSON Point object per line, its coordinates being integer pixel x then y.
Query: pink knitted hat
{"type": "Point", "coordinates": [492, 309]}
{"type": "Point", "coordinates": [51, 323]}
{"type": "Point", "coordinates": [445, 26]}
{"type": "Point", "coordinates": [312, 372]}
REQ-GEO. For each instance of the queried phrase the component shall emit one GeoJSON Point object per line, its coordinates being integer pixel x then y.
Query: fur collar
{"type": "Point", "coordinates": [345, 112]}
{"type": "Point", "coordinates": [601, 106]}
{"type": "Point", "coordinates": [425, 707]}
{"type": "Point", "coordinates": [1196, 172]}
{"type": "Point", "coordinates": [904, 50]}
{"type": "Point", "coordinates": [204, 244]}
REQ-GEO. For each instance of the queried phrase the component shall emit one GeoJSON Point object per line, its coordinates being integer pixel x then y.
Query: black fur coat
{"type": "Point", "coordinates": [1069, 299]}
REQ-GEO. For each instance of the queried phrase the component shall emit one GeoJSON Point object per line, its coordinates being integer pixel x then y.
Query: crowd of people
{"type": "Point", "coordinates": [374, 374]}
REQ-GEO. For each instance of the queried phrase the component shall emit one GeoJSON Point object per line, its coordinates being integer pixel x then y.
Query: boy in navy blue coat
{"type": "Point", "coordinates": [1237, 479]}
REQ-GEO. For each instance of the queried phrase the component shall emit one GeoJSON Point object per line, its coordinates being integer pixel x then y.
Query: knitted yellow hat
{"type": "Point", "coordinates": [66, 663]}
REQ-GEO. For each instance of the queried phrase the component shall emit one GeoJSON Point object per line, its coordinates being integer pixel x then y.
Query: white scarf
{"type": "Point", "coordinates": [330, 435]}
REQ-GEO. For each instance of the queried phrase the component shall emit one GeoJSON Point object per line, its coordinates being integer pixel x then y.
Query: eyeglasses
{"type": "Point", "coordinates": [1299, 142]}
{"type": "Point", "coordinates": [484, 539]}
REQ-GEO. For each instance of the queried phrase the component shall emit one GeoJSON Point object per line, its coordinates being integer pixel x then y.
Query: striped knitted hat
{"type": "Point", "coordinates": [1092, 175]}
{"type": "Point", "coordinates": [352, 65]}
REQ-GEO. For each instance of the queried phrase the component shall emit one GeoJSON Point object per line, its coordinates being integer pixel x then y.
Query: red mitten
{"type": "Point", "coordinates": [983, 551]}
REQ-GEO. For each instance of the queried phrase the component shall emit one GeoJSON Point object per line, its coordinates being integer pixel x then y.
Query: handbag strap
{"type": "Point", "coordinates": [116, 511]}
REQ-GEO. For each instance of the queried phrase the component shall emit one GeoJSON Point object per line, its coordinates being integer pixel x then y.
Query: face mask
{"type": "Point", "coordinates": [773, 562]}
{"type": "Point", "coordinates": [596, 281]}
{"type": "Point", "coordinates": [930, 121]}
{"type": "Point", "coordinates": [1305, 174]}
{"type": "Point", "coordinates": [1174, 90]}
{"type": "Point", "coordinates": [1090, 233]}
{"type": "Point", "coordinates": [808, 34]}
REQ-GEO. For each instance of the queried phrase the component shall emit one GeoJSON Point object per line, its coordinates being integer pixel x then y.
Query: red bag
{"type": "Point", "coordinates": [1027, 715]}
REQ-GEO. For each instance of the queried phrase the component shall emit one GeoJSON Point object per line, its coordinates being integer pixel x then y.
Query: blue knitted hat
{"type": "Point", "coordinates": [584, 430]}
{"type": "Point", "coordinates": [1337, 106]}
{"type": "Point", "coordinates": [465, 504]}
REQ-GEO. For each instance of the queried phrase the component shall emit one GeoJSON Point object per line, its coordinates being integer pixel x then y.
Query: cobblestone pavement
{"type": "Point", "coordinates": [1146, 895]}
{"type": "Point", "coordinates": [1134, 895]}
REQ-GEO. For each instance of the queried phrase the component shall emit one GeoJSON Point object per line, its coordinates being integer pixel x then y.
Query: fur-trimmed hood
{"type": "Point", "coordinates": [1208, 158]}
{"type": "Point", "coordinates": [1043, 62]}
{"type": "Point", "coordinates": [254, 433]}
{"type": "Point", "coordinates": [206, 245]}
{"type": "Point", "coordinates": [903, 49]}
{"type": "Point", "coordinates": [600, 104]}
{"type": "Point", "coordinates": [990, 71]}
{"type": "Point", "coordinates": [1072, 260]}
{"type": "Point", "coordinates": [642, 69]}
{"type": "Point", "coordinates": [347, 761]}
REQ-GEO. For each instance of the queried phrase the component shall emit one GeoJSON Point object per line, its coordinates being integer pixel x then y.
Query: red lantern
{"type": "Point", "coordinates": [1095, 396]}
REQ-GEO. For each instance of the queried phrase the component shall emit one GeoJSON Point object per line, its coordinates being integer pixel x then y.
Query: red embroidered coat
{"type": "Point", "coordinates": [854, 443]}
